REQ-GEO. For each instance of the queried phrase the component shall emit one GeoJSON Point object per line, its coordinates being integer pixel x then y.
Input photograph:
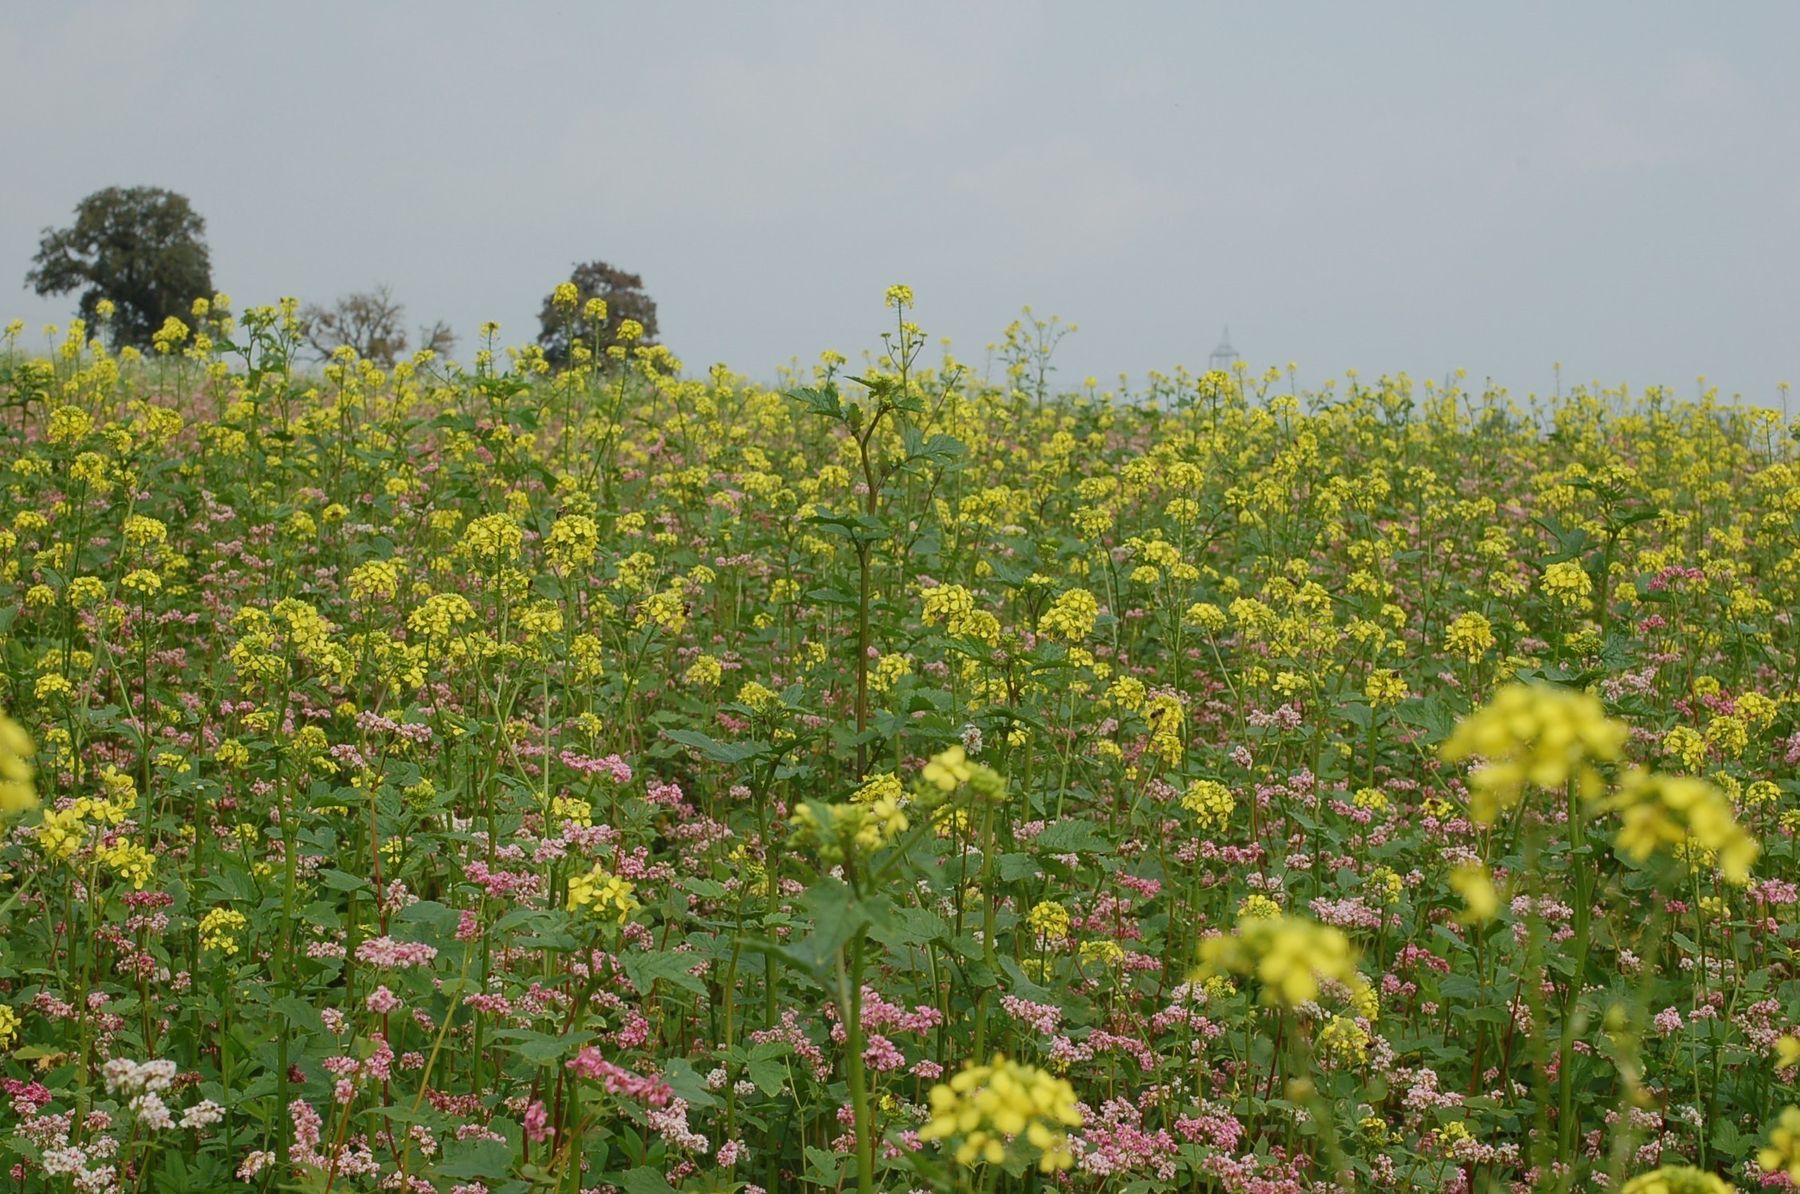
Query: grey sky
{"type": "Point", "coordinates": [1379, 186]}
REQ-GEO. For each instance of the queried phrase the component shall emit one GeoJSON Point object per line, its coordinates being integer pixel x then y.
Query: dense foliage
{"type": "Point", "coordinates": [138, 255]}
{"type": "Point", "coordinates": [508, 779]}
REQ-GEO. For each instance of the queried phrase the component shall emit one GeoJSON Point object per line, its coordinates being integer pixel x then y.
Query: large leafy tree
{"type": "Point", "coordinates": [625, 298]}
{"type": "Point", "coordinates": [141, 247]}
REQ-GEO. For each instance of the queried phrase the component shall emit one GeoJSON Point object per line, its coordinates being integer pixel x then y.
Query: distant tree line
{"type": "Point", "coordinates": [144, 250]}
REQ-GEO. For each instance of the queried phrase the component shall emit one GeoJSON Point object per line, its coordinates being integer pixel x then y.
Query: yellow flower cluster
{"type": "Point", "coordinates": [492, 539]}
{"type": "Point", "coordinates": [889, 671]}
{"type": "Point", "coordinates": [1386, 885]}
{"type": "Point", "coordinates": [142, 531]}
{"type": "Point", "coordinates": [1164, 713]}
{"type": "Point", "coordinates": [1682, 814]}
{"type": "Point", "coordinates": [1384, 687]}
{"type": "Point", "coordinates": [1206, 616]}
{"type": "Point", "coordinates": [1106, 952]}
{"type": "Point", "coordinates": [1344, 1040]}
{"type": "Point", "coordinates": [884, 785]}
{"type": "Point", "coordinates": [141, 580]}
{"type": "Point", "coordinates": [307, 629]}
{"type": "Point", "coordinates": [84, 591]}
{"type": "Point", "coordinates": [68, 425]}
{"type": "Point", "coordinates": [375, 580]}
{"type": "Point", "coordinates": [1289, 955]}
{"type": "Point", "coordinates": [129, 861]}
{"type": "Point", "coordinates": [1256, 905]}
{"type": "Point", "coordinates": [991, 1107]}
{"type": "Point", "coordinates": [1568, 584]}
{"type": "Point", "coordinates": [1782, 1153]}
{"type": "Point", "coordinates": [759, 698]}
{"type": "Point", "coordinates": [1050, 920]}
{"type": "Point", "coordinates": [951, 769]}
{"type": "Point", "coordinates": [1533, 735]}
{"type": "Point", "coordinates": [1211, 802]}
{"type": "Point", "coordinates": [953, 607]}
{"type": "Point", "coordinates": [573, 543]}
{"type": "Point", "coordinates": [17, 790]}
{"type": "Point", "coordinates": [704, 672]}
{"type": "Point", "coordinates": [439, 615]}
{"type": "Point", "coordinates": [1677, 1179]}
{"type": "Point", "coordinates": [855, 828]}
{"type": "Point", "coordinates": [603, 894]}
{"type": "Point", "coordinates": [571, 808]}
{"type": "Point", "coordinates": [948, 769]}
{"type": "Point", "coordinates": [1686, 744]}
{"type": "Point", "coordinates": [1470, 635]}
{"type": "Point", "coordinates": [64, 831]}
{"type": "Point", "coordinates": [170, 336]}
{"type": "Point", "coordinates": [219, 930]}
{"type": "Point", "coordinates": [1071, 616]}
{"type": "Point", "coordinates": [665, 608]}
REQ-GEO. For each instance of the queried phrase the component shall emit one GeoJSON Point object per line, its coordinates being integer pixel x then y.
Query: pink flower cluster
{"type": "Point", "coordinates": [651, 1092]}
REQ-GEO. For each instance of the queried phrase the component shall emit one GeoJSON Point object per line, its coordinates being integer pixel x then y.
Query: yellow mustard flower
{"type": "Point", "coordinates": [1533, 735]}
{"type": "Point", "coordinates": [990, 1108]}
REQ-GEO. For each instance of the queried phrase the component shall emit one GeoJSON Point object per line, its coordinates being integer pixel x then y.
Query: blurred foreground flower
{"type": "Point", "coordinates": [1677, 1179]}
{"type": "Point", "coordinates": [1533, 735]}
{"type": "Point", "coordinates": [16, 790]}
{"type": "Point", "coordinates": [1689, 817]}
{"type": "Point", "coordinates": [991, 1106]}
{"type": "Point", "coordinates": [1481, 903]}
{"type": "Point", "coordinates": [1783, 1150]}
{"type": "Point", "coordinates": [1289, 955]}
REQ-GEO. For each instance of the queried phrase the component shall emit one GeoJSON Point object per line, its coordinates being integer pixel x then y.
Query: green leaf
{"type": "Point", "coordinates": [477, 1159]}
{"type": "Point", "coordinates": [855, 524]}
{"type": "Point", "coordinates": [836, 917]}
{"type": "Point", "coordinates": [646, 969]}
{"type": "Point", "coordinates": [1072, 836]}
{"type": "Point", "coordinates": [823, 1168]}
{"type": "Point", "coordinates": [1019, 983]}
{"type": "Point", "coordinates": [441, 919]}
{"type": "Point", "coordinates": [688, 1083]}
{"type": "Point", "coordinates": [1014, 867]}
{"type": "Point", "coordinates": [938, 448]}
{"type": "Point", "coordinates": [712, 748]}
{"type": "Point", "coordinates": [819, 400]}
{"type": "Point", "coordinates": [543, 1048]}
{"type": "Point", "coordinates": [297, 1012]}
{"type": "Point", "coordinates": [899, 927]}
{"type": "Point", "coordinates": [643, 1180]}
{"type": "Point", "coordinates": [767, 1066]}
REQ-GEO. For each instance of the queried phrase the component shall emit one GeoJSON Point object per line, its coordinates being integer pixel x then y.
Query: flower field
{"type": "Point", "coordinates": [907, 778]}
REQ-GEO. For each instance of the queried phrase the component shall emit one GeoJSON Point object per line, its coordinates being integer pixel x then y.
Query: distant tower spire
{"type": "Point", "coordinates": [1224, 356]}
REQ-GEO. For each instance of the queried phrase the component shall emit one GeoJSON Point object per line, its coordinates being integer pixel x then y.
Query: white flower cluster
{"type": "Point", "coordinates": [143, 1083]}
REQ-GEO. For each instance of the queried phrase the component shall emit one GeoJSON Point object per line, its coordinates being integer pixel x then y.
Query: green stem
{"type": "Point", "coordinates": [853, 1043]}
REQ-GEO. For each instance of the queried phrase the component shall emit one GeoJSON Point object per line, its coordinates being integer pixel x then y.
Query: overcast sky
{"type": "Point", "coordinates": [1379, 186]}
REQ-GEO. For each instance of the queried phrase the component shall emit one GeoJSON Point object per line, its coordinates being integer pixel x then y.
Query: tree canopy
{"type": "Point", "coordinates": [568, 324]}
{"type": "Point", "coordinates": [141, 247]}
